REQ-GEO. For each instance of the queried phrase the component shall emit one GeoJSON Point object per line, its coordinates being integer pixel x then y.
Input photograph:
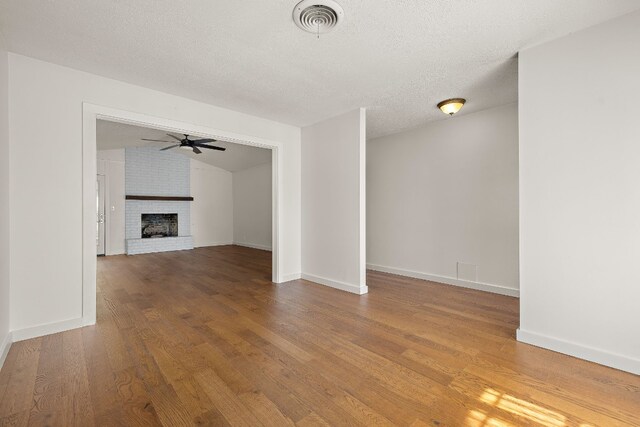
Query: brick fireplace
{"type": "Point", "coordinates": [154, 175]}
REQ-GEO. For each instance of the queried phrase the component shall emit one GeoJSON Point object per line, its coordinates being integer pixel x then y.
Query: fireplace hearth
{"type": "Point", "coordinates": [157, 225]}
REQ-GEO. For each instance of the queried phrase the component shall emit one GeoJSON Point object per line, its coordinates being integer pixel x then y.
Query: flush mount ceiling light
{"type": "Point", "coordinates": [317, 16]}
{"type": "Point", "coordinates": [451, 106]}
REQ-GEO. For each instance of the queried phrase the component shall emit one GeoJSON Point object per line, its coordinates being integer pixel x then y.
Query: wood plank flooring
{"type": "Point", "coordinates": [202, 337]}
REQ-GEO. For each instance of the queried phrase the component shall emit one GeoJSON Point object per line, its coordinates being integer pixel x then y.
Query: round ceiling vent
{"type": "Point", "coordinates": [317, 16]}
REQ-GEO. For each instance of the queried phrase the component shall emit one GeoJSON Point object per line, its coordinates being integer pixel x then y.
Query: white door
{"type": "Point", "coordinates": [100, 192]}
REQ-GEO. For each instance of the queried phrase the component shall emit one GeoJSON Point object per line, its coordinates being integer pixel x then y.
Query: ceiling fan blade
{"type": "Point", "coordinates": [154, 140]}
{"type": "Point", "coordinates": [202, 141]}
{"type": "Point", "coordinates": [171, 146]}
{"type": "Point", "coordinates": [175, 137]}
{"type": "Point", "coordinates": [210, 147]}
{"type": "Point", "coordinates": [195, 150]}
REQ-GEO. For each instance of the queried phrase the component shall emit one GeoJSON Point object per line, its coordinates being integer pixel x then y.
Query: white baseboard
{"type": "Point", "coordinates": [343, 286]}
{"type": "Point", "coordinates": [204, 245]}
{"type": "Point", "coordinates": [290, 277]}
{"type": "Point", "coordinates": [47, 329]}
{"type": "Point", "coordinates": [487, 287]}
{"type": "Point", "coordinates": [4, 348]}
{"type": "Point", "coordinates": [122, 252]}
{"type": "Point", "coordinates": [580, 351]}
{"type": "Point", "coordinates": [253, 246]}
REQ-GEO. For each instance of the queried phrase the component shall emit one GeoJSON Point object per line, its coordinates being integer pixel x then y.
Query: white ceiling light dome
{"type": "Point", "coordinates": [317, 16]}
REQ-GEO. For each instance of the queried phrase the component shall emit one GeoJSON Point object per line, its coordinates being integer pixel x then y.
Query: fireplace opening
{"type": "Point", "coordinates": [159, 225]}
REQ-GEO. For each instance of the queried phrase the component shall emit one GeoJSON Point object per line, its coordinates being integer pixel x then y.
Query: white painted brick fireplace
{"type": "Point", "coordinates": [151, 172]}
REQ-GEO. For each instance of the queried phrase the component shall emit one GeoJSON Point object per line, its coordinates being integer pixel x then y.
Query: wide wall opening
{"type": "Point", "coordinates": [176, 207]}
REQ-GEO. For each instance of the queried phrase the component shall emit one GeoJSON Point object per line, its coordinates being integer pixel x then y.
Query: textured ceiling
{"type": "Point", "coordinates": [111, 136]}
{"type": "Point", "coordinates": [397, 58]}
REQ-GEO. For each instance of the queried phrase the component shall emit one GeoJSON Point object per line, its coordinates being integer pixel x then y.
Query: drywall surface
{"type": "Point", "coordinates": [111, 165]}
{"type": "Point", "coordinates": [399, 56]}
{"type": "Point", "coordinates": [252, 210]}
{"type": "Point", "coordinates": [5, 339]}
{"type": "Point", "coordinates": [333, 202]}
{"type": "Point", "coordinates": [46, 122]}
{"type": "Point", "coordinates": [580, 194]}
{"type": "Point", "coordinates": [212, 206]}
{"type": "Point", "coordinates": [442, 201]}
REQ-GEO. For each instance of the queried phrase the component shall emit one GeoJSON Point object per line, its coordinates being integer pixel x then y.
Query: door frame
{"type": "Point", "coordinates": [102, 192]}
{"type": "Point", "coordinates": [90, 114]}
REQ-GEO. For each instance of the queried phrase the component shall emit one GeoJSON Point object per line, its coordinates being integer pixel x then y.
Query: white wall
{"type": "Point", "coordinates": [4, 203]}
{"type": "Point", "coordinates": [444, 194]}
{"type": "Point", "coordinates": [46, 125]}
{"type": "Point", "coordinates": [252, 211]}
{"type": "Point", "coordinates": [212, 218]}
{"type": "Point", "coordinates": [580, 194]}
{"type": "Point", "coordinates": [111, 165]}
{"type": "Point", "coordinates": [333, 202]}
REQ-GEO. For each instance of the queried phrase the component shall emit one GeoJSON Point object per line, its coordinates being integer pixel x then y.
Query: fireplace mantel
{"type": "Point", "coordinates": [165, 198]}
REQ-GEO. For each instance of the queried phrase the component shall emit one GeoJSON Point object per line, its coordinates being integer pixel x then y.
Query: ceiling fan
{"type": "Point", "coordinates": [188, 144]}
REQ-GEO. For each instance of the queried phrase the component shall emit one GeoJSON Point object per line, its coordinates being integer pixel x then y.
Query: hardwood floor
{"type": "Point", "coordinates": [203, 337]}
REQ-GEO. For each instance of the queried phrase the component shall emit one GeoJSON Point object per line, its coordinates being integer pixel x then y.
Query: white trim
{"type": "Point", "coordinates": [480, 286]}
{"type": "Point", "coordinates": [92, 112]}
{"type": "Point", "coordinates": [580, 351]}
{"type": "Point", "coordinates": [253, 246]}
{"type": "Point", "coordinates": [89, 170]}
{"type": "Point", "coordinates": [277, 224]}
{"type": "Point", "coordinates": [5, 347]}
{"type": "Point", "coordinates": [205, 245]}
{"type": "Point", "coordinates": [343, 286]}
{"type": "Point", "coordinates": [362, 201]}
{"type": "Point", "coordinates": [116, 253]}
{"type": "Point", "coordinates": [47, 329]}
{"type": "Point", "coordinates": [290, 277]}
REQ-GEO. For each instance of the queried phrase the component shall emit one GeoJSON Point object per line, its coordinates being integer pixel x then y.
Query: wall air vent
{"type": "Point", "coordinates": [317, 16]}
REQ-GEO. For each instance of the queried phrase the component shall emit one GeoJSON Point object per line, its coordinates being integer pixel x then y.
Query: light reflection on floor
{"type": "Point", "coordinates": [521, 408]}
{"type": "Point", "coordinates": [479, 418]}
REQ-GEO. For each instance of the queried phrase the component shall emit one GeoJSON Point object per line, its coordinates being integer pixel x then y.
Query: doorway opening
{"type": "Point", "coordinates": [164, 195]}
{"type": "Point", "coordinates": [255, 161]}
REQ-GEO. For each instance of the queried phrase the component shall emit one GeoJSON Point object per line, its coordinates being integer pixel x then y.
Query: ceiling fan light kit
{"type": "Point", "coordinates": [188, 144]}
{"type": "Point", "coordinates": [451, 106]}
